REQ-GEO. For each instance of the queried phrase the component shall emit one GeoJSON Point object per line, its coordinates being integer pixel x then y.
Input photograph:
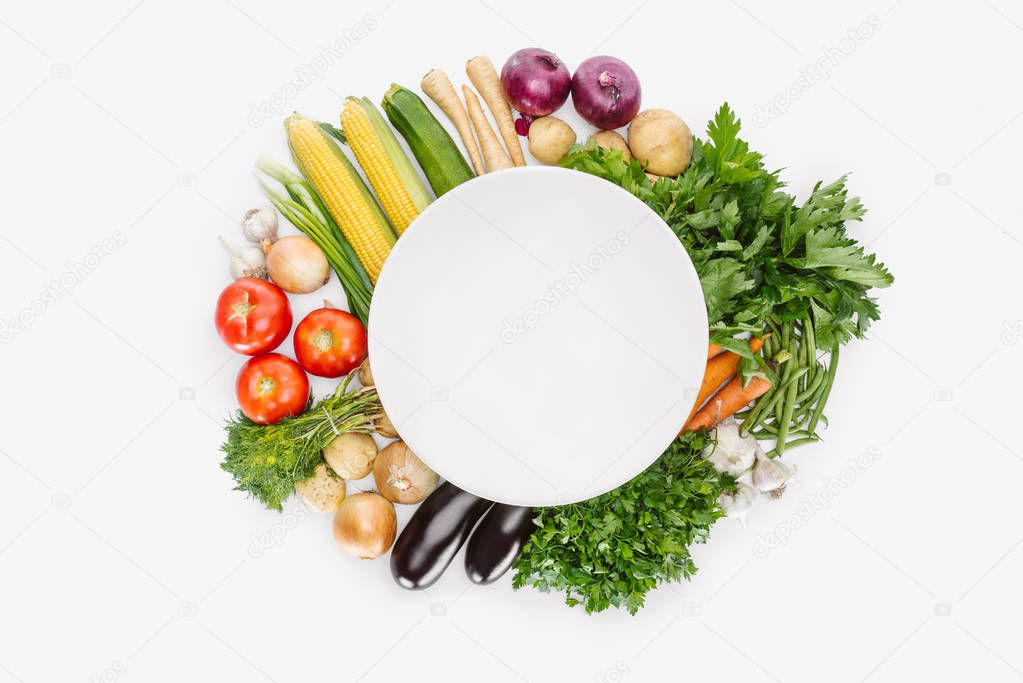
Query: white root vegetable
{"type": "Point", "coordinates": [296, 264]}
{"type": "Point", "coordinates": [384, 427]}
{"type": "Point", "coordinates": [401, 477]}
{"type": "Point", "coordinates": [611, 139]}
{"type": "Point", "coordinates": [437, 86]}
{"type": "Point", "coordinates": [323, 491]}
{"type": "Point", "coordinates": [494, 155]}
{"type": "Point", "coordinates": [483, 75]}
{"type": "Point", "coordinates": [549, 139]}
{"type": "Point", "coordinates": [351, 455]}
{"type": "Point", "coordinates": [248, 261]}
{"type": "Point", "coordinates": [661, 141]}
{"type": "Point", "coordinates": [260, 224]}
{"type": "Point", "coordinates": [365, 525]}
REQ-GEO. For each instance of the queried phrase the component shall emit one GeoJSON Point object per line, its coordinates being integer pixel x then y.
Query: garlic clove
{"type": "Point", "coordinates": [260, 224]}
{"type": "Point", "coordinates": [737, 504]}
{"type": "Point", "coordinates": [248, 261]}
{"type": "Point", "coordinates": [732, 453]}
{"type": "Point", "coordinates": [771, 475]}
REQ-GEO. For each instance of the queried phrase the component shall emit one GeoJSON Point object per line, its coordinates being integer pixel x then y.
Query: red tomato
{"type": "Point", "coordinates": [270, 387]}
{"type": "Point", "coordinates": [330, 342]}
{"type": "Point", "coordinates": [253, 316]}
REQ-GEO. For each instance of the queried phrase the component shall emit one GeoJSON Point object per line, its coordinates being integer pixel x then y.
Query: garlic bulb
{"type": "Point", "coordinates": [771, 475]}
{"type": "Point", "coordinates": [245, 261]}
{"type": "Point", "coordinates": [260, 224]}
{"type": "Point", "coordinates": [737, 504]}
{"type": "Point", "coordinates": [733, 453]}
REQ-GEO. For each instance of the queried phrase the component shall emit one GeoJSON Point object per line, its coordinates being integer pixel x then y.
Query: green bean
{"type": "Point", "coordinates": [767, 402]}
{"type": "Point", "coordinates": [829, 382]}
{"type": "Point", "coordinates": [786, 417]}
{"type": "Point", "coordinates": [811, 338]}
{"type": "Point", "coordinates": [780, 448]}
{"type": "Point", "coordinates": [812, 387]}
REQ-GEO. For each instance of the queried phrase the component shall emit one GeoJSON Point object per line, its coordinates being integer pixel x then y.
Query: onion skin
{"type": "Point", "coordinates": [396, 466]}
{"type": "Point", "coordinates": [535, 82]}
{"type": "Point", "coordinates": [365, 525]}
{"type": "Point", "coordinates": [606, 92]}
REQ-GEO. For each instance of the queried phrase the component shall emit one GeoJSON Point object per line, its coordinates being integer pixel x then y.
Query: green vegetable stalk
{"type": "Point", "coordinates": [611, 550]}
{"type": "Point", "coordinates": [306, 211]}
{"type": "Point", "coordinates": [268, 460]}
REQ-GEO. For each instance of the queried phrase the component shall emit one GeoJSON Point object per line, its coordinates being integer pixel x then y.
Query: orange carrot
{"type": "Point", "coordinates": [713, 350]}
{"type": "Point", "coordinates": [719, 369]}
{"type": "Point", "coordinates": [731, 398]}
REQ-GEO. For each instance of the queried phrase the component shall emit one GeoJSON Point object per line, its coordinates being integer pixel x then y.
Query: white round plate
{"type": "Point", "coordinates": [537, 336]}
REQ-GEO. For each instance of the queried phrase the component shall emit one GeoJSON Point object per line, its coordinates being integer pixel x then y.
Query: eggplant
{"type": "Point", "coordinates": [497, 541]}
{"type": "Point", "coordinates": [432, 537]}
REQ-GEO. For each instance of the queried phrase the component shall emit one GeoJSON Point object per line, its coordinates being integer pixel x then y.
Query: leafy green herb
{"type": "Point", "coordinates": [761, 257]}
{"type": "Point", "coordinates": [268, 460]}
{"type": "Point", "coordinates": [611, 550]}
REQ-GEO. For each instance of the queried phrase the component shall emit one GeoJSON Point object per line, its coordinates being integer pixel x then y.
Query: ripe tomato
{"type": "Point", "coordinates": [330, 342]}
{"type": "Point", "coordinates": [253, 316]}
{"type": "Point", "coordinates": [270, 387]}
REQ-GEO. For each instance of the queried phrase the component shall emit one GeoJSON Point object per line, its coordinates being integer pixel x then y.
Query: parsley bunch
{"type": "Point", "coordinates": [611, 550]}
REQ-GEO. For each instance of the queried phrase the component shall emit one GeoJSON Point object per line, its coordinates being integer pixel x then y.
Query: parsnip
{"type": "Point", "coordinates": [481, 72]}
{"type": "Point", "coordinates": [437, 86]}
{"type": "Point", "coordinates": [493, 153]}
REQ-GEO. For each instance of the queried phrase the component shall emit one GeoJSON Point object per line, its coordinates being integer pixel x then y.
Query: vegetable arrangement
{"type": "Point", "coordinates": [785, 287]}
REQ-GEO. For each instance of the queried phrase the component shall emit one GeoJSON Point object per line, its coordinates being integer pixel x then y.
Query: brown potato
{"type": "Point", "coordinates": [549, 139]}
{"type": "Point", "coordinates": [610, 139]}
{"type": "Point", "coordinates": [661, 141]}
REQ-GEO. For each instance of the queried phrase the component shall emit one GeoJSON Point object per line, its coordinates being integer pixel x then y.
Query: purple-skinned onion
{"type": "Point", "coordinates": [535, 82]}
{"type": "Point", "coordinates": [606, 92]}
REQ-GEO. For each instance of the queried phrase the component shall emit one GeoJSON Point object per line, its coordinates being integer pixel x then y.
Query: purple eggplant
{"type": "Point", "coordinates": [497, 541]}
{"type": "Point", "coordinates": [432, 537]}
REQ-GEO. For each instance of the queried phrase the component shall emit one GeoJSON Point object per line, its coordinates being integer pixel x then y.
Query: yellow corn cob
{"type": "Point", "coordinates": [343, 192]}
{"type": "Point", "coordinates": [400, 190]}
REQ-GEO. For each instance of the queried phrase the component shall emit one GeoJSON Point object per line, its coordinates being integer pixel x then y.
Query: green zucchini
{"type": "Point", "coordinates": [433, 148]}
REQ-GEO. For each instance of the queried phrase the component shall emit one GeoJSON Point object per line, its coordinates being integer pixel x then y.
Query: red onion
{"type": "Point", "coordinates": [535, 82]}
{"type": "Point", "coordinates": [606, 92]}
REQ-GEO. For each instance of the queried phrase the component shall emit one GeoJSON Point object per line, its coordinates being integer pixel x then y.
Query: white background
{"type": "Point", "coordinates": [123, 551]}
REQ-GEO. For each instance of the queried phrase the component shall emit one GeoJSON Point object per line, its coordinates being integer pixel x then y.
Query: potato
{"type": "Point", "coordinates": [351, 455]}
{"type": "Point", "coordinates": [323, 491]}
{"type": "Point", "coordinates": [549, 139]}
{"type": "Point", "coordinates": [366, 373]}
{"type": "Point", "coordinates": [661, 141]}
{"type": "Point", "coordinates": [609, 139]}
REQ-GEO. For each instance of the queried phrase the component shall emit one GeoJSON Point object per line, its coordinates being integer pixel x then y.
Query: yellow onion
{"type": "Point", "coordinates": [402, 477]}
{"type": "Point", "coordinates": [365, 525]}
{"type": "Point", "coordinates": [296, 264]}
